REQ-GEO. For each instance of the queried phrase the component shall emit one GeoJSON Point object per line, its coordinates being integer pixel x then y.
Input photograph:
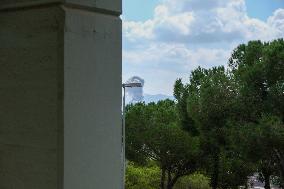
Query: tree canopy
{"type": "Point", "coordinates": [226, 122]}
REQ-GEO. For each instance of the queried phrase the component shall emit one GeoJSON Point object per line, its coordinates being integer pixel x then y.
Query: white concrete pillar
{"type": "Point", "coordinates": [60, 94]}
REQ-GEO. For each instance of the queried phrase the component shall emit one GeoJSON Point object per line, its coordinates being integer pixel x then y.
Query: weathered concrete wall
{"type": "Point", "coordinates": [31, 57]}
{"type": "Point", "coordinates": [60, 93]}
{"type": "Point", "coordinates": [92, 101]}
{"type": "Point", "coordinates": [111, 6]}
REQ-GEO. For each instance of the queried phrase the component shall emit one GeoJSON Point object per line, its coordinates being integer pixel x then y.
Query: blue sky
{"type": "Point", "coordinates": [139, 10]}
{"type": "Point", "coordinates": [262, 9]}
{"type": "Point", "coordinates": [165, 39]}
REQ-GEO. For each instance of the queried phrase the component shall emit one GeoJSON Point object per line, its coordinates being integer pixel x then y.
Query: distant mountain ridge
{"type": "Point", "coordinates": [157, 97]}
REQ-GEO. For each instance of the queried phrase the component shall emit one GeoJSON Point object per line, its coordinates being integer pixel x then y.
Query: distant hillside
{"type": "Point", "coordinates": [155, 98]}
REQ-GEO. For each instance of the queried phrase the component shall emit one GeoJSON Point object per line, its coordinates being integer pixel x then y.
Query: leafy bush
{"type": "Point", "coordinates": [194, 181]}
{"type": "Point", "coordinates": [137, 177]}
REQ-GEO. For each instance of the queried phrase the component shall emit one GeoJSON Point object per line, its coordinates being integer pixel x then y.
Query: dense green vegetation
{"type": "Point", "coordinates": [142, 177]}
{"type": "Point", "coordinates": [226, 124]}
{"type": "Point", "coordinates": [148, 177]}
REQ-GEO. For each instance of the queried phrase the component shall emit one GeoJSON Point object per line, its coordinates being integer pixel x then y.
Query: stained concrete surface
{"type": "Point", "coordinates": [30, 107]}
{"type": "Point", "coordinates": [60, 96]}
{"type": "Point", "coordinates": [92, 100]}
{"type": "Point", "coordinates": [114, 6]}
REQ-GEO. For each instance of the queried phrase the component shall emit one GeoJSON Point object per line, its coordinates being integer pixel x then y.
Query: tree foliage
{"type": "Point", "coordinates": [258, 70]}
{"type": "Point", "coordinates": [226, 105]}
{"type": "Point", "coordinates": [142, 177]}
{"type": "Point", "coordinates": [193, 181]}
{"type": "Point", "coordinates": [153, 134]}
{"type": "Point", "coordinates": [227, 122]}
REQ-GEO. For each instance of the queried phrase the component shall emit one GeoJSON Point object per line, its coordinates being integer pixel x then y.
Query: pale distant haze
{"type": "Point", "coordinates": [165, 39]}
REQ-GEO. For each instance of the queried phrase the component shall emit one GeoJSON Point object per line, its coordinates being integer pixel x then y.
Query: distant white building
{"type": "Point", "coordinates": [254, 183]}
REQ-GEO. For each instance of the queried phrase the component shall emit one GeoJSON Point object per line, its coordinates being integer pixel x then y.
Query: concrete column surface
{"type": "Point", "coordinates": [60, 94]}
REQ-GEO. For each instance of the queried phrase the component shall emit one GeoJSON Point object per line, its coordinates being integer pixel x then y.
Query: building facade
{"type": "Point", "coordinates": [60, 94]}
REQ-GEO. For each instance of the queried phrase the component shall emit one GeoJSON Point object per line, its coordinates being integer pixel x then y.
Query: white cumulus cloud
{"type": "Point", "coordinates": [184, 34]}
{"type": "Point", "coordinates": [207, 21]}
